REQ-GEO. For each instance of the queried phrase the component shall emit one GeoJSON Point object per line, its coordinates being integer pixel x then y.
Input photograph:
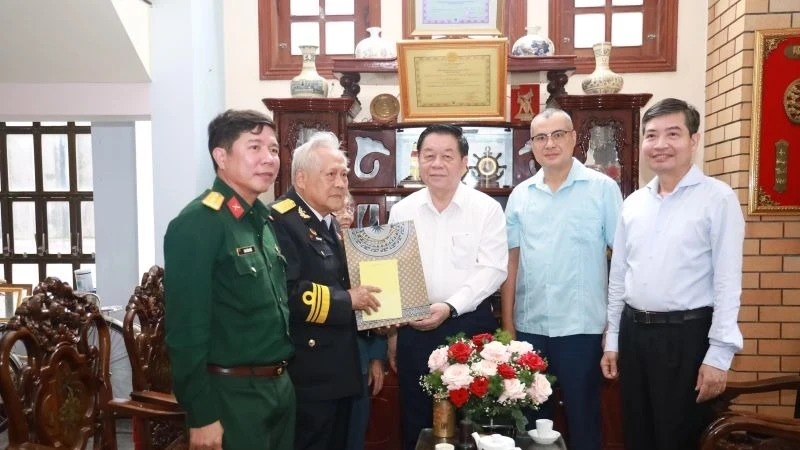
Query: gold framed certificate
{"type": "Point", "coordinates": [424, 18]}
{"type": "Point", "coordinates": [453, 79]}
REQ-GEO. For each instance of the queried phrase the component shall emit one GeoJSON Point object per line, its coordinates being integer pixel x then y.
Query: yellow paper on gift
{"type": "Point", "coordinates": [383, 274]}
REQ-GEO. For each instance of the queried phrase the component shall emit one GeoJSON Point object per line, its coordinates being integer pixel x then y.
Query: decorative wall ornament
{"type": "Point", "coordinates": [364, 147]}
{"type": "Point", "coordinates": [774, 169]}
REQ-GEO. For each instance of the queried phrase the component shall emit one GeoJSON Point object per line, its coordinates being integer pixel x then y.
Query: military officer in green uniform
{"type": "Point", "coordinates": [326, 369]}
{"type": "Point", "coordinates": [225, 298]}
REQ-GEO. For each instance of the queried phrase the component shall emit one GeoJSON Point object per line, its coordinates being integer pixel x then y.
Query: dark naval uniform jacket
{"type": "Point", "coordinates": [321, 320]}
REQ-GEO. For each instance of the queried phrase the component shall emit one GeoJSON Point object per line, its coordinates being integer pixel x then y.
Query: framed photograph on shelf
{"type": "Point", "coordinates": [452, 79]}
{"type": "Point", "coordinates": [774, 175]}
{"type": "Point", "coordinates": [426, 18]}
{"type": "Point", "coordinates": [10, 297]}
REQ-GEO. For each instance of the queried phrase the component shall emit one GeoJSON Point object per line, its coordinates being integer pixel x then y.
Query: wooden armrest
{"type": "Point", "coordinates": [779, 427]}
{"type": "Point", "coordinates": [735, 389]}
{"type": "Point", "coordinates": [156, 398]}
{"type": "Point", "coordinates": [142, 409]}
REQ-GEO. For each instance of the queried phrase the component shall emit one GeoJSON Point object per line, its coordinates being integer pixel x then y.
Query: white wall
{"type": "Point", "coordinates": [244, 89]}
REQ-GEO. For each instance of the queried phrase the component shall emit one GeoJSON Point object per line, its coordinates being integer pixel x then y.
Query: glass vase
{"type": "Point", "coordinates": [603, 80]}
{"type": "Point", "coordinates": [444, 418]}
{"type": "Point", "coordinates": [309, 83]}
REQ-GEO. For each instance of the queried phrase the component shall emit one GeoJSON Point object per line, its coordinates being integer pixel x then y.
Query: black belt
{"type": "Point", "coordinates": [249, 371]}
{"type": "Point", "coordinates": [669, 317]}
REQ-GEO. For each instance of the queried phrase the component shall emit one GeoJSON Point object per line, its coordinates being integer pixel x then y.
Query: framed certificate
{"type": "Point", "coordinates": [774, 174]}
{"type": "Point", "coordinates": [452, 79]}
{"type": "Point", "coordinates": [425, 18]}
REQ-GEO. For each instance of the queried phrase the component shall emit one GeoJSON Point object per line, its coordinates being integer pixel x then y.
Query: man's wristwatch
{"type": "Point", "coordinates": [453, 312]}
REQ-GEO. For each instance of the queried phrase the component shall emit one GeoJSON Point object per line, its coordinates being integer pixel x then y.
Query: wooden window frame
{"type": "Point", "coordinates": [40, 197]}
{"type": "Point", "coordinates": [274, 35]}
{"type": "Point", "coordinates": [658, 54]}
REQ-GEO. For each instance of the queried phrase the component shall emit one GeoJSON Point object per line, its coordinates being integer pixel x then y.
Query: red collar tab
{"type": "Point", "coordinates": [235, 207]}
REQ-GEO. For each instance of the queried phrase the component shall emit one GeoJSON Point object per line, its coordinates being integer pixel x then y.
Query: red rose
{"type": "Point", "coordinates": [459, 351]}
{"type": "Point", "coordinates": [506, 371]}
{"type": "Point", "coordinates": [479, 386]}
{"type": "Point", "coordinates": [532, 361]}
{"type": "Point", "coordinates": [480, 339]}
{"type": "Point", "coordinates": [459, 397]}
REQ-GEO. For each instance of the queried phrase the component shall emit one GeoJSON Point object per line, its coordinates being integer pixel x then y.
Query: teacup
{"type": "Point", "coordinates": [544, 428]}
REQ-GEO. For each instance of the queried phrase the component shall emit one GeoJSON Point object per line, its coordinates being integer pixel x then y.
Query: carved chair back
{"type": "Point", "coordinates": [146, 348]}
{"type": "Point", "coordinates": [60, 398]}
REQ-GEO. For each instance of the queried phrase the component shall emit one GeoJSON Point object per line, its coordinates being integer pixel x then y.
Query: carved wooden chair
{"type": "Point", "coordinates": [61, 396]}
{"type": "Point", "coordinates": [744, 430]}
{"type": "Point", "coordinates": [150, 367]}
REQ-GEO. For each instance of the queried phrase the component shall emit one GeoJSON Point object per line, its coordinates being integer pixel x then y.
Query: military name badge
{"type": "Point", "coordinates": [241, 251]}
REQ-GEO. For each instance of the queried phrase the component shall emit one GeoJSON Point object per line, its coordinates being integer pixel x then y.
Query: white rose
{"type": "Point", "coordinates": [456, 377]}
{"type": "Point", "coordinates": [512, 390]}
{"type": "Point", "coordinates": [438, 359]}
{"type": "Point", "coordinates": [540, 389]}
{"type": "Point", "coordinates": [496, 351]}
{"type": "Point", "coordinates": [485, 368]}
{"type": "Point", "coordinates": [520, 347]}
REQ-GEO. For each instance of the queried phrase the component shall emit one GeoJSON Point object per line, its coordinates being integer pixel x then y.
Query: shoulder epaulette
{"type": "Point", "coordinates": [213, 200]}
{"type": "Point", "coordinates": [284, 205]}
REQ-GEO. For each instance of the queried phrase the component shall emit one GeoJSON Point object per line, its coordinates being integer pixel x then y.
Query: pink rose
{"type": "Point", "coordinates": [520, 347]}
{"type": "Point", "coordinates": [456, 377]}
{"type": "Point", "coordinates": [540, 389]}
{"type": "Point", "coordinates": [438, 360]}
{"type": "Point", "coordinates": [496, 351]}
{"type": "Point", "coordinates": [485, 368]}
{"type": "Point", "coordinates": [512, 390]}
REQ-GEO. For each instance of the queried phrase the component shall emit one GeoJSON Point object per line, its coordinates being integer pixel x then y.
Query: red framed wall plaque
{"type": "Point", "coordinates": [775, 132]}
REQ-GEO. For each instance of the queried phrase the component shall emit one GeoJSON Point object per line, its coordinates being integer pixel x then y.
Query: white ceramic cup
{"type": "Point", "coordinates": [544, 427]}
{"type": "Point", "coordinates": [444, 446]}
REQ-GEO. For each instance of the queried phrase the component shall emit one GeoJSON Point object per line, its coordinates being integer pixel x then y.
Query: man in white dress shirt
{"type": "Point", "coordinates": [674, 289]}
{"type": "Point", "coordinates": [464, 252]}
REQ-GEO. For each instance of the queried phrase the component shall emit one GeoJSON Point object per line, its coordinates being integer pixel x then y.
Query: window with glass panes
{"type": "Point", "coordinates": [46, 200]}
{"type": "Point", "coordinates": [335, 26]}
{"type": "Point", "coordinates": [643, 33]}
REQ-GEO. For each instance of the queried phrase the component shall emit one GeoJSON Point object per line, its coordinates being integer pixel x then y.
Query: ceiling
{"type": "Point", "coordinates": [83, 41]}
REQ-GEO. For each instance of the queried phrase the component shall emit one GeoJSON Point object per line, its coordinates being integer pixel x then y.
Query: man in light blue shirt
{"type": "Point", "coordinates": [560, 223]}
{"type": "Point", "coordinates": [674, 288]}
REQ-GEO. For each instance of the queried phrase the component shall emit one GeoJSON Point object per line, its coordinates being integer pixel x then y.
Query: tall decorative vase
{"type": "Point", "coordinates": [444, 418]}
{"type": "Point", "coordinates": [603, 80]}
{"type": "Point", "coordinates": [309, 83]}
{"type": "Point", "coordinates": [375, 46]}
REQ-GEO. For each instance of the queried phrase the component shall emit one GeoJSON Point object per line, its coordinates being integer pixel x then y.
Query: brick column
{"type": "Point", "coordinates": [770, 314]}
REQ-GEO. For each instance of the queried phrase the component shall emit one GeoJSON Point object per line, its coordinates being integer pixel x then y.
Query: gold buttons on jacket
{"type": "Point", "coordinates": [279, 371]}
{"type": "Point", "coordinates": [312, 343]}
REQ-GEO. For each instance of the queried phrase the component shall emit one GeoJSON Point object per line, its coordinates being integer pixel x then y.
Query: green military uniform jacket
{"type": "Point", "coordinates": [225, 295]}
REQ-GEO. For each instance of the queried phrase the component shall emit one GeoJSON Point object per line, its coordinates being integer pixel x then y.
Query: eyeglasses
{"type": "Point", "coordinates": [557, 136]}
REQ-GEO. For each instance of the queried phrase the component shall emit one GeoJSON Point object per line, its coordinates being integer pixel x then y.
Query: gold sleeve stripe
{"type": "Point", "coordinates": [318, 300]}
{"type": "Point", "coordinates": [325, 303]}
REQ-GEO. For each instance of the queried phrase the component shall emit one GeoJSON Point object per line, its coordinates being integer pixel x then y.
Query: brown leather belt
{"type": "Point", "coordinates": [249, 371]}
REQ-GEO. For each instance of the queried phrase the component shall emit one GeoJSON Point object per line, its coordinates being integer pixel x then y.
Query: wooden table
{"type": "Point", "coordinates": [427, 442]}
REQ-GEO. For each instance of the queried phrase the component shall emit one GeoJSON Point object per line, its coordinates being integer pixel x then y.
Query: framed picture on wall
{"type": "Point", "coordinates": [775, 125]}
{"type": "Point", "coordinates": [425, 18]}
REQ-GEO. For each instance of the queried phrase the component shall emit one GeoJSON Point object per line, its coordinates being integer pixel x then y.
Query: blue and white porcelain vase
{"type": "Point", "coordinates": [533, 44]}
{"type": "Point", "coordinates": [309, 83]}
{"type": "Point", "coordinates": [375, 46]}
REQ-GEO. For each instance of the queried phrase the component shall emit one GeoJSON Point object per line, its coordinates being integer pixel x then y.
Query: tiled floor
{"type": "Point", "coordinates": [124, 436]}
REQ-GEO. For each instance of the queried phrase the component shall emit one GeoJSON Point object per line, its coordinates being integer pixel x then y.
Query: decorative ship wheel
{"type": "Point", "coordinates": [487, 168]}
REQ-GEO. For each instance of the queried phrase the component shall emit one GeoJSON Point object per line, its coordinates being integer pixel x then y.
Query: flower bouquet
{"type": "Point", "coordinates": [488, 376]}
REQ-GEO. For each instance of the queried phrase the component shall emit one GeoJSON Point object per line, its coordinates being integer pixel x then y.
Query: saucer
{"type": "Point", "coordinates": [544, 440]}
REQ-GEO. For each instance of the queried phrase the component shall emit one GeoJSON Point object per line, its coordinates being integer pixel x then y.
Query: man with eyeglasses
{"type": "Point", "coordinates": [560, 223]}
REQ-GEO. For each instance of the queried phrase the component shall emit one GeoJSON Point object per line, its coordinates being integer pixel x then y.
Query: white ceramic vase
{"type": "Point", "coordinates": [533, 44]}
{"type": "Point", "coordinates": [603, 80]}
{"type": "Point", "coordinates": [375, 46]}
{"type": "Point", "coordinates": [309, 83]}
